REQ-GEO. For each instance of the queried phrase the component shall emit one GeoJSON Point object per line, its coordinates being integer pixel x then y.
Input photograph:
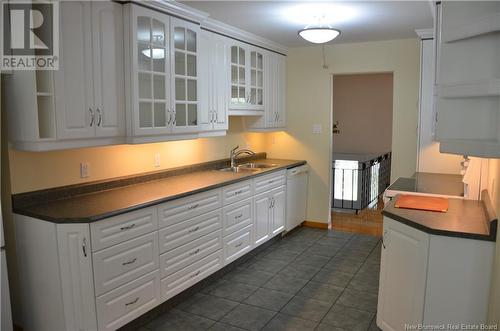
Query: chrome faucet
{"type": "Point", "coordinates": [235, 153]}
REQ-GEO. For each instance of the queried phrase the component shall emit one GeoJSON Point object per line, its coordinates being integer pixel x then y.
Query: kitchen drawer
{"type": "Point", "coordinates": [186, 231]}
{"type": "Point", "coordinates": [181, 257]}
{"type": "Point", "coordinates": [236, 192]}
{"type": "Point", "coordinates": [183, 279]}
{"type": "Point", "coordinates": [119, 264]}
{"type": "Point", "coordinates": [237, 244]}
{"type": "Point", "coordinates": [126, 303]}
{"type": "Point", "coordinates": [117, 229]}
{"type": "Point", "coordinates": [267, 182]}
{"type": "Point", "coordinates": [236, 216]}
{"type": "Point", "coordinates": [176, 211]}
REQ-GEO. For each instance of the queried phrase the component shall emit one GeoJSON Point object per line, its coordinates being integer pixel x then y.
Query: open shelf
{"type": "Point", "coordinates": [481, 88]}
{"type": "Point", "coordinates": [479, 148]}
{"type": "Point", "coordinates": [474, 27]}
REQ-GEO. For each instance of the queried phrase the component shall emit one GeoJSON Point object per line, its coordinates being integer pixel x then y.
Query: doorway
{"type": "Point", "coordinates": [362, 112]}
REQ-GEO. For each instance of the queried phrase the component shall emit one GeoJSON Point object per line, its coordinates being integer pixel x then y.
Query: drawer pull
{"type": "Point", "coordinates": [270, 182]}
{"type": "Point", "coordinates": [193, 206]}
{"type": "Point", "coordinates": [194, 230]}
{"type": "Point", "coordinates": [238, 192]}
{"type": "Point", "coordinates": [195, 274]}
{"type": "Point", "coordinates": [238, 216]}
{"type": "Point", "coordinates": [132, 302]}
{"type": "Point", "coordinates": [238, 245]}
{"type": "Point", "coordinates": [128, 227]}
{"type": "Point", "coordinates": [196, 251]}
{"type": "Point", "coordinates": [130, 261]}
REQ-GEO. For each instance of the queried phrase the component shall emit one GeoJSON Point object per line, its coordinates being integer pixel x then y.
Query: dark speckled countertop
{"type": "Point", "coordinates": [465, 219]}
{"type": "Point", "coordinates": [95, 206]}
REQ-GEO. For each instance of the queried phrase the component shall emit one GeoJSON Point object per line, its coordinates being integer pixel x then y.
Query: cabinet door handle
{"type": "Point", "coordinates": [169, 117]}
{"type": "Point", "coordinates": [196, 251]}
{"type": "Point", "coordinates": [194, 230]}
{"type": "Point", "coordinates": [130, 261]}
{"type": "Point", "coordinates": [195, 274]}
{"type": "Point", "coordinates": [383, 237]}
{"type": "Point", "coordinates": [216, 116]}
{"type": "Point", "coordinates": [84, 246]}
{"type": "Point", "coordinates": [132, 302]}
{"type": "Point", "coordinates": [193, 206]}
{"type": "Point", "coordinates": [92, 117]}
{"type": "Point", "coordinates": [238, 192]}
{"type": "Point", "coordinates": [236, 246]}
{"type": "Point", "coordinates": [272, 202]}
{"type": "Point", "coordinates": [99, 120]}
{"type": "Point", "coordinates": [237, 217]}
{"type": "Point", "coordinates": [128, 227]}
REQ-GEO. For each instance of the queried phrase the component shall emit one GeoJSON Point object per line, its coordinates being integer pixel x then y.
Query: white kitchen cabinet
{"type": "Point", "coordinates": [269, 214]}
{"type": "Point", "coordinates": [432, 279]}
{"type": "Point", "coordinates": [468, 78]}
{"type": "Point", "coordinates": [81, 104]}
{"type": "Point", "coordinates": [247, 77]}
{"type": "Point", "coordinates": [274, 118]}
{"type": "Point", "coordinates": [162, 79]}
{"type": "Point", "coordinates": [213, 82]}
{"type": "Point", "coordinates": [403, 273]}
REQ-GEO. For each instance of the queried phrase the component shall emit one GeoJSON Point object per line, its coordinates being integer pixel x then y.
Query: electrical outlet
{"type": "Point", "coordinates": [317, 128]}
{"type": "Point", "coordinates": [157, 160]}
{"type": "Point", "coordinates": [84, 170]}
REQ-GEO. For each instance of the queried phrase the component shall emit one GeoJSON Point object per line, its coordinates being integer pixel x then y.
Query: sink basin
{"type": "Point", "coordinates": [257, 165]}
{"type": "Point", "coordinates": [237, 169]}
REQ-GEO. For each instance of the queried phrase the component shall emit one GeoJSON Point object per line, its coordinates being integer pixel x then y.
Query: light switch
{"type": "Point", "coordinates": [317, 128]}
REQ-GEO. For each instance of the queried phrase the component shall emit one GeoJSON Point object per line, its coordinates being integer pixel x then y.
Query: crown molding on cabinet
{"type": "Point", "coordinates": [235, 33]}
{"type": "Point", "coordinates": [425, 33]}
{"type": "Point", "coordinates": [173, 8]}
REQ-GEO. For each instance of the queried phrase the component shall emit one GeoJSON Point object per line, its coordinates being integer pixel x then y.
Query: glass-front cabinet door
{"type": "Point", "coordinates": [150, 72]}
{"type": "Point", "coordinates": [185, 67]}
{"type": "Point", "coordinates": [247, 78]}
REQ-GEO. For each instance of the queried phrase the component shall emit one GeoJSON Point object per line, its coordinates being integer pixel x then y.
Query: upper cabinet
{"type": "Point", "coordinates": [81, 104]}
{"type": "Point", "coordinates": [214, 85]}
{"type": "Point", "coordinates": [162, 60]}
{"type": "Point", "coordinates": [247, 76]}
{"type": "Point", "coordinates": [468, 77]}
{"type": "Point", "coordinates": [275, 103]}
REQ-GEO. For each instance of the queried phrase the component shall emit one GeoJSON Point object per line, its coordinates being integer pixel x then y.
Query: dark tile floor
{"type": "Point", "coordinates": [310, 280]}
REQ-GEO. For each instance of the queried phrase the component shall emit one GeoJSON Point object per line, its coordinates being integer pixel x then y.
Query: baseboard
{"type": "Point", "coordinates": [317, 225]}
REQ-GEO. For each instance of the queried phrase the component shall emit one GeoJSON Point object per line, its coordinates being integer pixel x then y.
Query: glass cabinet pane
{"type": "Point", "coordinates": [192, 115]}
{"type": "Point", "coordinates": [259, 97]}
{"type": "Point", "coordinates": [145, 115]}
{"type": "Point", "coordinates": [158, 59]}
{"type": "Point", "coordinates": [143, 29]}
{"type": "Point", "coordinates": [260, 62]}
{"type": "Point", "coordinates": [180, 63]}
{"type": "Point", "coordinates": [234, 94]}
{"type": "Point", "coordinates": [144, 86]}
{"type": "Point", "coordinates": [158, 33]}
{"type": "Point", "coordinates": [179, 38]}
{"type": "Point", "coordinates": [180, 114]}
{"type": "Point", "coordinates": [253, 96]}
{"type": "Point", "coordinates": [191, 90]}
{"type": "Point", "coordinates": [234, 74]}
{"type": "Point", "coordinates": [159, 87]}
{"type": "Point", "coordinates": [180, 89]}
{"type": "Point", "coordinates": [253, 80]}
{"type": "Point", "coordinates": [253, 60]}
{"type": "Point", "coordinates": [191, 41]}
{"type": "Point", "coordinates": [241, 56]}
{"type": "Point", "coordinates": [160, 115]}
{"type": "Point", "coordinates": [144, 56]}
{"type": "Point", "coordinates": [242, 95]}
{"type": "Point", "coordinates": [242, 76]}
{"type": "Point", "coordinates": [234, 54]}
{"type": "Point", "coordinates": [191, 65]}
{"type": "Point", "coordinates": [260, 81]}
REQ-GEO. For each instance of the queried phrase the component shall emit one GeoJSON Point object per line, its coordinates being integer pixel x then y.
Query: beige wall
{"type": "Point", "coordinates": [309, 102]}
{"type": "Point", "coordinates": [362, 104]}
{"type": "Point", "coordinates": [38, 170]}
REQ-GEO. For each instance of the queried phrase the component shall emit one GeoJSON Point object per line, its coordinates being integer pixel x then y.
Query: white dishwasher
{"type": "Point", "coordinates": [296, 196]}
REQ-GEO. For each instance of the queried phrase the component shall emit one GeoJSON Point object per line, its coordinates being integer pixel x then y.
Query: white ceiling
{"type": "Point", "coordinates": [359, 21]}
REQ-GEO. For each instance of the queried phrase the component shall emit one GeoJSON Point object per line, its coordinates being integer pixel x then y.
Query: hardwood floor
{"type": "Point", "coordinates": [367, 221]}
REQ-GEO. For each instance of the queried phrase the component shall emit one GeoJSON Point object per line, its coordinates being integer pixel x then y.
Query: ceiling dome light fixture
{"type": "Point", "coordinates": [319, 35]}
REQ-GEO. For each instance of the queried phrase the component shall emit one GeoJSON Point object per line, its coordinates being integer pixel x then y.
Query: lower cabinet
{"type": "Point", "coordinates": [403, 271]}
{"type": "Point", "coordinates": [432, 280]}
{"type": "Point", "coordinates": [269, 214]}
{"type": "Point", "coordinates": [107, 273]}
